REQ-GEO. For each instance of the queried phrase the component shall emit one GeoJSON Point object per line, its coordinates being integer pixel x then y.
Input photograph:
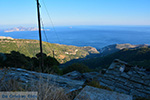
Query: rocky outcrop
{"type": "Point", "coordinates": [124, 78]}
{"type": "Point", "coordinates": [28, 78]}
{"type": "Point", "coordinates": [25, 77]}
{"type": "Point", "coordinates": [92, 93]}
{"type": "Point", "coordinates": [119, 77]}
{"type": "Point", "coordinates": [75, 75]}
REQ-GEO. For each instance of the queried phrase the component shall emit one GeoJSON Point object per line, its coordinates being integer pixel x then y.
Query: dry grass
{"type": "Point", "coordinates": [97, 85]}
{"type": "Point", "coordinates": [46, 91]}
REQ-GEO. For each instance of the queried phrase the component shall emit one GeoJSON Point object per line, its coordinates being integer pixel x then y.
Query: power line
{"type": "Point", "coordinates": [45, 34]}
{"type": "Point", "coordinates": [51, 21]}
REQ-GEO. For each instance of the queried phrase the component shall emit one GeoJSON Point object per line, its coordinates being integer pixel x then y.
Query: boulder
{"type": "Point", "coordinates": [92, 93]}
{"type": "Point", "coordinates": [75, 75]}
{"type": "Point", "coordinates": [90, 76]}
{"type": "Point", "coordinates": [25, 77]}
{"type": "Point", "coordinates": [123, 78]}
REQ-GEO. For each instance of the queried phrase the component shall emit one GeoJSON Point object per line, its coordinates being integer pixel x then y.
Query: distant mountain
{"type": "Point", "coordinates": [15, 29]}
{"type": "Point", "coordinates": [117, 47]}
{"type": "Point", "coordinates": [62, 53]}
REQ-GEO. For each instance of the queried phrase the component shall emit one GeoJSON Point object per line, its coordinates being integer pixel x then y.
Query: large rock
{"type": "Point", "coordinates": [75, 75]}
{"type": "Point", "coordinates": [127, 79]}
{"type": "Point", "coordinates": [92, 93]}
{"type": "Point", "coordinates": [25, 77]}
{"type": "Point", "coordinates": [90, 75]}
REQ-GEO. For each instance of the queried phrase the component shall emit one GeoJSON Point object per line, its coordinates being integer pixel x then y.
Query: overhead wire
{"type": "Point", "coordinates": [51, 21]}
{"type": "Point", "coordinates": [53, 51]}
{"type": "Point", "coordinates": [52, 27]}
{"type": "Point", "coordinates": [42, 23]}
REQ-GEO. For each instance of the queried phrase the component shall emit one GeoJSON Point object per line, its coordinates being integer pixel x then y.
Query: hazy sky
{"type": "Point", "coordinates": [76, 12]}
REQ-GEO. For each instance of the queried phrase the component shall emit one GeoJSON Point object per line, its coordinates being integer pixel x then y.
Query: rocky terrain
{"type": "Point", "coordinates": [127, 79]}
{"type": "Point", "coordinates": [126, 82]}
{"type": "Point", "coordinates": [92, 93]}
{"type": "Point", "coordinates": [119, 77]}
{"type": "Point", "coordinates": [26, 78]}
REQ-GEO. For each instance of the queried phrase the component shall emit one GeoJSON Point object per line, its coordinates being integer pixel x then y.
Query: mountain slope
{"type": "Point", "coordinates": [135, 56]}
{"type": "Point", "coordinates": [117, 47]}
{"type": "Point", "coordinates": [62, 53]}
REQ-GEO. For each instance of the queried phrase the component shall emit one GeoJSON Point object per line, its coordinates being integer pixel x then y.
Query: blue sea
{"type": "Point", "coordinates": [95, 36]}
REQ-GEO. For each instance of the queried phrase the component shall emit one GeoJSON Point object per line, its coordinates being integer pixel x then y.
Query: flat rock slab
{"type": "Point", "coordinates": [92, 93]}
{"type": "Point", "coordinates": [29, 77]}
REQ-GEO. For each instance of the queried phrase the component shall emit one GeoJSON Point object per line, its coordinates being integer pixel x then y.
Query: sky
{"type": "Point", "coordinates": [75, 12]}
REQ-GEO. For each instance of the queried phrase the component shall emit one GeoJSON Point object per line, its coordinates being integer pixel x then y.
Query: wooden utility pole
{"type": "Point", "coordinates": [40, 36]}
{"type": "Point", "coordinates": [53, 54]}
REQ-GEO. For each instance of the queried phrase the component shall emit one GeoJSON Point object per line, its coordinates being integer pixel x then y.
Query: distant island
{"type": "Point", "coordinates": [18, 29]}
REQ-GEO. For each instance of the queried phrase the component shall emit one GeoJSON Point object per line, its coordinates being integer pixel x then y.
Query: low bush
{"type": "Point", "coordinates": [76, 67]}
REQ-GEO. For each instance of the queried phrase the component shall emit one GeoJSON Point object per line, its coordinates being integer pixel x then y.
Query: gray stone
{"type": "Point", "coordinates": [109, 82]}
{"type": "Point", "coordinates": [74, 75]}
{"type": "Point", "coordinates": [146, 77]}
{"type": "Point", "coordinates": [124, 75]}
{"type": "Point", "coordinates": [91, 93]}
{"type": "Point", "coordinates": [139, 80]}
{"type": "Point", "coordinates": [120, 79]}
{"type": "Point", "coordinates": [144, 91]}
{"type": "Point", "coordinates": [138, 93]}
{"type": "Point", "coordinates": [137, 85]}
{"type": "Point", "coordinates": [142, 73]}
{"type": "Point", "coordinates": [117, 85]}
{"type": "Point", "coordinates": [112, 72]}
{"type": "Point", "coordinates": [23, 76]}
{"type": "Point", "coordinates": [128, 84]}
{"type": "Point", "coordinates": [91, 75]}
{"type": "Point", "coordinates": [133, 81]}
{"type": "Point", "coordinates": [120, 90]}
{"type": "Point", "coordinates": [146, 88]}
{"type": "Point", "coordinates": [103, 84]}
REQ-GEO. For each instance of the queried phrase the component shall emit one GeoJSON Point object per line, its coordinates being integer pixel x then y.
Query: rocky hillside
{"type": "Point", "coordinates": [119, 77]}
{"type": "Point", "coordinates": [127, 79]}
{"type": "Point", "coordinates": [62, 53]}
{"type": "Point", "coordinates": [54, 87]}
{"type": "Point", "coordinates": [119, 82]}
{"type": "Point", "coordinates": [117, 47]}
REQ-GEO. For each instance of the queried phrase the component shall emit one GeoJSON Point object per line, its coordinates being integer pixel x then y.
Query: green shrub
{"type": "Point", "coordinates": [16, 59]}
{"type": "Point", "coordinates": [76, 67]}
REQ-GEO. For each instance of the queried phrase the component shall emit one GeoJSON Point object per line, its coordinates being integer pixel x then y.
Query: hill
{"type": "Point", "coordinates": [62, 53]}
{"type": "Point", "coordinates": [135, 56]}
{"type": "Point", "coordinates": [117, 47]}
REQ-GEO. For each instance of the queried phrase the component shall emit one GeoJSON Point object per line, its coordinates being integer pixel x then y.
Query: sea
{"type": "Point", "coordinates": [94, 36]}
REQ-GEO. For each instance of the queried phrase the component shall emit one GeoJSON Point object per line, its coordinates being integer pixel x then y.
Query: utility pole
{"type": "Point", "coordinates": [40, 36]}
{"type": "Point", "coordinates": [53, 54]}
